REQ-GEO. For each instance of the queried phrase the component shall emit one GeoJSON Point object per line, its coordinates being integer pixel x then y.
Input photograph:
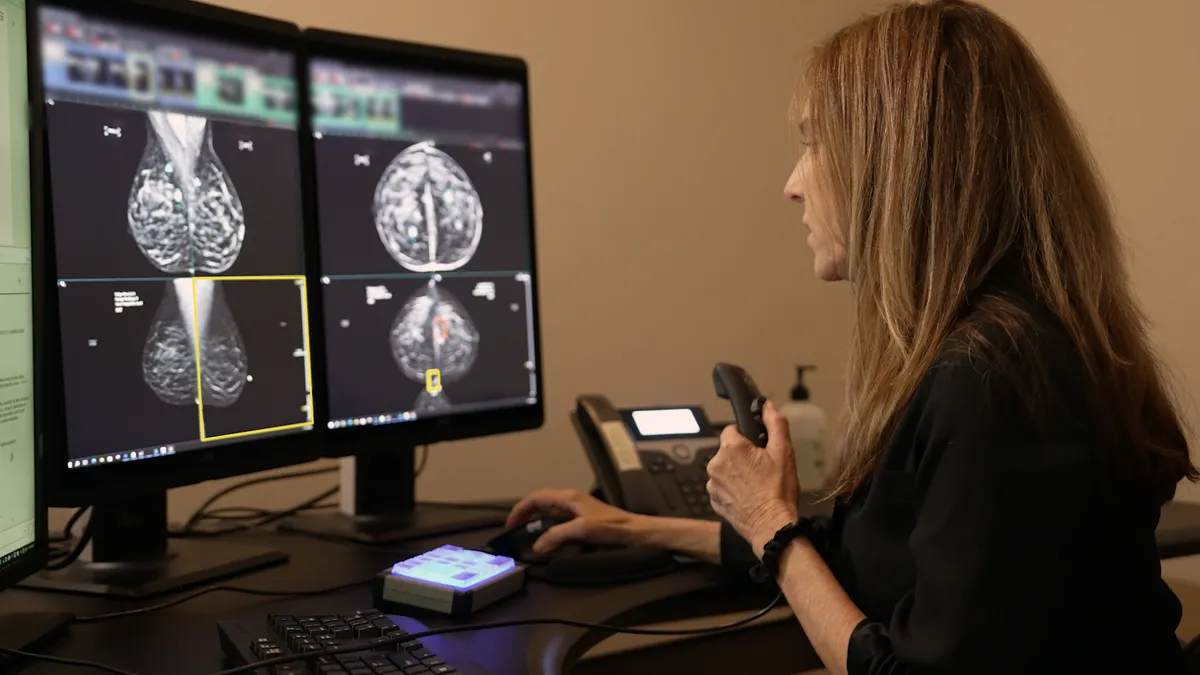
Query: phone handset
{"type": "Point", "coordinates": [614, 457]}
{"type": "Point", "coordinates": [735, 384]}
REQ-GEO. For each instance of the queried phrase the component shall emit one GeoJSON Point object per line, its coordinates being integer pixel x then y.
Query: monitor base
{"type": "Point", "coordinates": [424, 520]}
{"type": "Point", "coordinates": [185, 564]}
{"type": "Point", "coordinates": [29, 632]}
{"type": "Point", "coordinates": [379, 503]}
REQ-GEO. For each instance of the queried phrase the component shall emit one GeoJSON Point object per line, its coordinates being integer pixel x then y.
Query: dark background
{"type": "Point", "coordinates": [363, 376]}
{"type": "Point", "coordinates": [350, 243]}
{"type": "Point", "coordinates": [435, 117]}
{"type": "Point", "coordinates": [109, 406]}
{"type": "Point", "coordinates": [91, 177]}
{"type": "Point", "coordinates": [276, 394]}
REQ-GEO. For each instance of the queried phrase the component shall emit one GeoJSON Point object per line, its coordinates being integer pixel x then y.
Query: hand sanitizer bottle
{"type": "Point", "coordinates": [806, 421]}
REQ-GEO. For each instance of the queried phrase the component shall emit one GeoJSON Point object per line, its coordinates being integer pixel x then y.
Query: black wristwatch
{"type": "Point", "coordinates": [768, 569]}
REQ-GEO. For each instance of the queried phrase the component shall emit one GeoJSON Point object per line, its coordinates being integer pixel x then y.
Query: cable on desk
{"type": "Point", "coordinates": [243, 513]}
{"type": "Point", "coordinates": [483, 506]}
{"type": "Point", "coordinates": [249, 513]}
{"type": "Point", "coordinates": [69, 529]}
{"type": "Point", "coordinates": [422, 459]}
{"type": "Point", "coordinates": [263, 516]}
{"type": "Point", "coordinates": [71, 556]}
{"type": "Point", "coordinates": [65, 557]}
{"type": "Point", "coordinates": [273, 516]}
{"type": "Point", "coordinates": [65, 662]}
{"type": "Point", "coordinates": [63, 545]}
{"type": "Point", "coordinates": [198, 515]}
{"type": "Point", "coordinates": [290, 658]}
{"type": "Point", "coordinates": [219, 589]}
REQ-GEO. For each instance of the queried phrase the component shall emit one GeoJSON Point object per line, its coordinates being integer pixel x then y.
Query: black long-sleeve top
{"type": "Point", "coordinates": [987, 542]}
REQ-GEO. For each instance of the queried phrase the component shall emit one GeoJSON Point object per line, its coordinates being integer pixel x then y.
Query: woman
{"type": "Point", "coordinates": [1010, 439]}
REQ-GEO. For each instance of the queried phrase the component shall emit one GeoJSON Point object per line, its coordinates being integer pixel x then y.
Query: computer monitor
{"type": "Point", "coordinates": [178, 334]}
{"type": "Point", "coordinates": [428, 291]}
{"type": "Point", "coordinates": [23, 538]}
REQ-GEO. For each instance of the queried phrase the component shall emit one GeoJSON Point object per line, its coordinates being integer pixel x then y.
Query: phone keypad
{"type": "Point", "coordinates": [684, 484]}
{"type": "Point", "coordinates": [660, 464]}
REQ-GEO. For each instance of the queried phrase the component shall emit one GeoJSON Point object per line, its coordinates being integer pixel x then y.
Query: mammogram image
{"type": "Point", "coordinates": [433, 331]}
{"type": "Point", "coordinates": [427, 212]}
{"type": "Point", "coordinates": [169, 357]}
{"type": "Point", "coordinates": [184, 212]}
{"type": "Point", "coordinates": [432, 402]}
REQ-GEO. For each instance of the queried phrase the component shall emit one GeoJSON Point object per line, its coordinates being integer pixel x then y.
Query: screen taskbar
{"type": "Point", "coordinates": [16, 538]}
{"type": "Point", "coordinates": [176, 448]}
{"type": "Point", "coordinates": [6, 559]}
{"type": "Point", "coordinates": [411, 415]}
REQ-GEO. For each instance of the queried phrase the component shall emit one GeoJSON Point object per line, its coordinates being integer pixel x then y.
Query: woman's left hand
{"type": "Point", "coordinates": [756, 489]}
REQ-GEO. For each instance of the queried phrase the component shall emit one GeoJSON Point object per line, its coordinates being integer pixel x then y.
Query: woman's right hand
{"type": "Point", "coordinates": [594, 521]}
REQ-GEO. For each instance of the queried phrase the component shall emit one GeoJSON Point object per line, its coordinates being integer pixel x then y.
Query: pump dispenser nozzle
{"type": "Point", "coordinates": [800, 391]}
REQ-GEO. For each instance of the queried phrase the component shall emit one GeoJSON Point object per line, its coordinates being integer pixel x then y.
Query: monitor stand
{"type": "Point", "coordinates": [30, 632]}
{"type": "Point", "coordinates": [379, 506]}
{"type": "Point", "coordinates": [131, 556]}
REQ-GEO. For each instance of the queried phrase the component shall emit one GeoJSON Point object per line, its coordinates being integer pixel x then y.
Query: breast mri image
{"type": "Point", "coordinates": [425, 221]}
{"type": "Point", "coordinates": [176, 216]}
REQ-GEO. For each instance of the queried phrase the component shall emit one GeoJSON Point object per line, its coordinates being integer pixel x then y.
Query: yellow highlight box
{"type": "Point", "coordinates": [307, 355]}
{"type": "Point", "coordinates": [433, 380]}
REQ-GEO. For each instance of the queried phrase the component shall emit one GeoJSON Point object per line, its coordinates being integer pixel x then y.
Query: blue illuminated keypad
{"type": "Point", "coordinates": [455, 567]}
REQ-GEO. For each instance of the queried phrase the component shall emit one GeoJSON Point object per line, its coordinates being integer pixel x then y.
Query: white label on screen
{"type": "Point", "coordinates": [673, 422]}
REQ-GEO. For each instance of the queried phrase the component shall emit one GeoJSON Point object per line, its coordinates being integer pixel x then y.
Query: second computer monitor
{"type": "Point", "coordinates": [425, 216]}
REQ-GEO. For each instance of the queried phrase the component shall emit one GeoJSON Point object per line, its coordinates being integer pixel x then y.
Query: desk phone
{"type": "Point", "coordinates": [654, 460]}
{"type": "Point", "coordinates": [649, 460]}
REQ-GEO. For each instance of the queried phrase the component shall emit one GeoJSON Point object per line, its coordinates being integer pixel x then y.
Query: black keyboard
{"type": "Point", "coordinates": [248, 642]}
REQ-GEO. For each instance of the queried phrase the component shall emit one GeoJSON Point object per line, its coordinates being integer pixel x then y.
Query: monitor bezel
{"type": "Point", "coordinates": [393, 54]}
{"type": "Point", "coordinates": [35, 559]}
{"type": "Point", "coordinates": [83, 486]}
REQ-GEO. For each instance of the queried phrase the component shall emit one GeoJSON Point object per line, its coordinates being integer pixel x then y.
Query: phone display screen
{"type": "Point", "coordinates": [666, 422]}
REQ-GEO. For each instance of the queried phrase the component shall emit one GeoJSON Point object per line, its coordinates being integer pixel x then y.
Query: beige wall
{"type": "Point", "coordinates": [660, 146]}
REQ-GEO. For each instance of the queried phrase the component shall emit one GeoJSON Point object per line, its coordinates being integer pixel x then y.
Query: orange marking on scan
{"type": "Point", "coordinates": [441, 328]}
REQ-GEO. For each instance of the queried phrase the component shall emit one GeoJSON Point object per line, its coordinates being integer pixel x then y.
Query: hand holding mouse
{"type": "Point", "coordinates": [594, 522]}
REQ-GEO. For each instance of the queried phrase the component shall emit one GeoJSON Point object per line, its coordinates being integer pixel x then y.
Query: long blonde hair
{"type": "Point", "coordinates": [953, 168]}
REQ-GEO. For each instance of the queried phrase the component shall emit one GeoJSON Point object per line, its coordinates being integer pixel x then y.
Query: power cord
{"type": "Point", "coordinates": [67, 558]}
{"type": "Point", "coordinates": [64, 662]}
{"type": "Point", "coordinates": [422, 459]}
{"type": "Point", "coordinates": [219, 589]}
{"type": "Point", "coordinates": [247, 518]}
{"type": "Point", "coordinates": [202, 510]}
{"type": "Point", "coordinates": [270, 517]}
{"type": "Point", "coordinates": [244, 513]}
{"type": "Point", "coordinates": [382, 642]}
{"type": "Point", "coordinates": [69, 529]}
{"type": "Point", "coordinates": [64, 561]}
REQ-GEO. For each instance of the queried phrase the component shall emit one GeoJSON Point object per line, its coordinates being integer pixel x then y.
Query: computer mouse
{"type": "Point", "coordinates": [517, 542]}
{"type": "Point", "coordinates": [577, 563]}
